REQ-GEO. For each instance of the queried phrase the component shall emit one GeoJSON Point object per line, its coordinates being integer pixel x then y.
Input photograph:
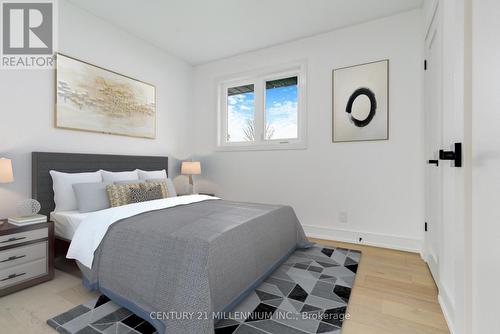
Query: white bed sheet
{"type": "Point", "coordinates": [66, 222]}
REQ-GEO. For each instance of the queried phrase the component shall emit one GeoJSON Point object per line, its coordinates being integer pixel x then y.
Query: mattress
{"type": "Point", "coordinates": [66, 222]}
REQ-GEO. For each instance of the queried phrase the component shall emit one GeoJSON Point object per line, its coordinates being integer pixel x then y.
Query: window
{"type": "Point", "coordinates": [240, 114]}
{"type": "Point", "coordinates": [281, 109]}
{"type": "Point", "coordinates": [263, 110]}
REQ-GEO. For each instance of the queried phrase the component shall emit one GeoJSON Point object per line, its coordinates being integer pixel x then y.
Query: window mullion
{"type": "Point", "coordinates": [259, 111]}
{"type": "Point", "coordinates": [223, 116]}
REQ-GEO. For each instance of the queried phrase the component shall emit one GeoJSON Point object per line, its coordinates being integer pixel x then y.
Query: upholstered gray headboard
{"type": "Point", "coordinates": [43, 162]}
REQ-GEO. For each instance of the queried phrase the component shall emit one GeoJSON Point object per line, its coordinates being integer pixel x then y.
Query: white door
{"type": "Point", "coordinates": [434, 142]}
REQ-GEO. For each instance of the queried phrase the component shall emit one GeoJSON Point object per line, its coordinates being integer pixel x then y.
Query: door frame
{"type": "Point", "coordinates": [435, 26]}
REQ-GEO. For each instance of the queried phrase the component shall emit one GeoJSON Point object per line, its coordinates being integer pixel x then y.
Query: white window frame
{"type": "Point", "coordinates": [258, 78]}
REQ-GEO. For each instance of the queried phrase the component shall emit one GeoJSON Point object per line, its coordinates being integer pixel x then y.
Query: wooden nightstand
{"type": "Point", "coordinates": [26, 255]}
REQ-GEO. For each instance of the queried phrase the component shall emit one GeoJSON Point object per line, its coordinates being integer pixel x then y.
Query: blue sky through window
{"type": "Point", "coordinates": [241, 113]}
{"type": "Point", "coordinates": [280, 114]}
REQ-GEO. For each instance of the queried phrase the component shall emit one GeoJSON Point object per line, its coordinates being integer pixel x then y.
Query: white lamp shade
{"type": "Point", "coordinates": [6, 174]}
{"type": "Point", "coordinates": [191, 168]}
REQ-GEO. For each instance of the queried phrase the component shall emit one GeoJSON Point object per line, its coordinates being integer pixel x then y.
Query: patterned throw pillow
{"type": "Point", "coordinates": [119, 194]}
{"type": "Point", "coordinates": [143, 194]}
{"type": "Point", "coordinates": [162, 184]}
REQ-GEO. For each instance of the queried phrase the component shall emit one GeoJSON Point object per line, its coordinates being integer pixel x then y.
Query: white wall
{"type": "Point", "coordinates": [27, 101]}
{"type": "Point", "coordinates": [379, 184]}
{"type": "Point", "coordinates": [485, 166]}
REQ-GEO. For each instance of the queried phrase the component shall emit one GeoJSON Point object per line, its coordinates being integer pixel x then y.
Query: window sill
{"type": "Point", "coordinates": [264, 147]}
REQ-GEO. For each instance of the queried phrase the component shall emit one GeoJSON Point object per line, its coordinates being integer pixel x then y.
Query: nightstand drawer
{"type": "Point", "coordinates": [16, 238]}
{"type": "Point", "coordinates": [23, 272]}
{"type": "Point", "coordinates": [19, 255]}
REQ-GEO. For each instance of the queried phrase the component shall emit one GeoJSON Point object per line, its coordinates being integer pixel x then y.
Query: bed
{"type": "Point", "coordinates": [176, 262]}
{"type": "Point", "coordinates": [41, 187]}
{"type": "Point", "coordinates": [66, 223]}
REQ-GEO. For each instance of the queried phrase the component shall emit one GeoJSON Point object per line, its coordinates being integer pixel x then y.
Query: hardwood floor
{"type": "Point", "coordinates": [26, 311]}
{"type": "Point", "coordinates": [393, 294]}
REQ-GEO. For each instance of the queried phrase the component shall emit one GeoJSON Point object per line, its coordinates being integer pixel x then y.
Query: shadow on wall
{"type": "Point", "coordinates": [174, 173]}
{"type": "Point", "coordinates": [204, 183]}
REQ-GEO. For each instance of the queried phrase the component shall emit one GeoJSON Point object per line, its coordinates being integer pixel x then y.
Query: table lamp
{"type": "Point", "coordinates": [6, 174]}
{"type": "Point", "coordinates": [191, 168]}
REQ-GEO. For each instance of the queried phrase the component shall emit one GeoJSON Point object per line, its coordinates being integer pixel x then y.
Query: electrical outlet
{"type": "Point", "coordinates": [343, 217]}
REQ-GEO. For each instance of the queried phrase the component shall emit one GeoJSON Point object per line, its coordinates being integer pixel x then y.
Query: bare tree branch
{"type": "Point", "coordinates": [249, 131]}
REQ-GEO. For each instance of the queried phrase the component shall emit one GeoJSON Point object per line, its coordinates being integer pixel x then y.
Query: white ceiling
{"type": "Point", "coordinates": [199, 31]}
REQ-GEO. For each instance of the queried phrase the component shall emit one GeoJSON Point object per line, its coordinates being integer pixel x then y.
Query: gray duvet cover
{"type": "Point", "coordinates": [189, 261]}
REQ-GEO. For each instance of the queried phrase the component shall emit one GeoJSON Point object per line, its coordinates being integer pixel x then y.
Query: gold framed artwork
{"type": "Point", "coordinates": [361, 102]}
{"type": "Point", "coordinates": [91, 98]}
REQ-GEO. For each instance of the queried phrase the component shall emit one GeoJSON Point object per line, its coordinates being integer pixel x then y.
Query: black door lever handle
{"type": "Point", "coordinates": [433, 162]}
{"type": "Point", "coordinates": [455, 156]}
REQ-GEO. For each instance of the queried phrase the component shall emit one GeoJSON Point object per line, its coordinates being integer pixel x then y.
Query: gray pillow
{"type": "Point", "coordinates": [129, 182]}
{"type": "Point", "coordinates": [170, 186]}
{"type": "Point", "coordinates": [91, 196]}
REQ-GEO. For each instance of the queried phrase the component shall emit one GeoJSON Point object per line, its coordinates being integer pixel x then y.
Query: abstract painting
{"type": "Point", "coordinates": [361, 102]}
{"type": "Point", "coordinates": [90, 98]}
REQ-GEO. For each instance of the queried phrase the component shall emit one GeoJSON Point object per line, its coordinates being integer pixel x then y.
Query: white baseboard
{"type": "Point", "coordinates": [368, 238]}
{"type": "Point", "coordinates": [447, 310]}
{"type": "Point", "coordinates": [424, 256]}
{"type": "Point", "coordinates": [443, 299]}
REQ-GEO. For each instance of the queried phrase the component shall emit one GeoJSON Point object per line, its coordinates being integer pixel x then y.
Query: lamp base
{"type": "Point", "coordinates": [191, 187]}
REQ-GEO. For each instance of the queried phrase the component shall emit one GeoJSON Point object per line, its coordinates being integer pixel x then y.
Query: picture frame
{"type": "Point", "coordinates": [360, 102]}
{"type": "Point", "coordinates": [95, 99]}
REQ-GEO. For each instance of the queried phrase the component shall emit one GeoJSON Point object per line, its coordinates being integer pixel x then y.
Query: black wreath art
{"type": "Point", "coordinates": [373, 106]}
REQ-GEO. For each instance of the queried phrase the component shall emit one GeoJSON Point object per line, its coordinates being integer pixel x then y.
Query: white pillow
{"type": "Point", "coordinates": [64, 195]}
{"type": "Point", "coordinates": [152, 175]}
{"type": "Point", "coordinates": [112, 177]}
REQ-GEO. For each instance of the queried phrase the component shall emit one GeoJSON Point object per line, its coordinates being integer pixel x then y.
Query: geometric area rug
{"type": "Point", "coordinates": [307, 294]}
